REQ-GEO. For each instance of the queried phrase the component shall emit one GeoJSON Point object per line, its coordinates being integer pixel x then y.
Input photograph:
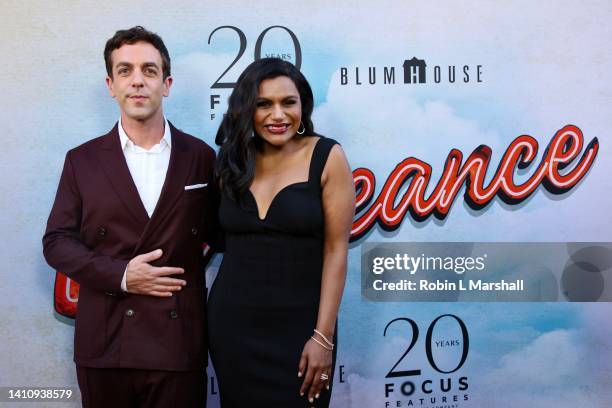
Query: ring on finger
{"type": "Point", "coordinates": [324, 377]}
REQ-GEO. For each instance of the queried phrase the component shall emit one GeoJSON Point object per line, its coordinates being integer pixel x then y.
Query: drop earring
{"type": "Point", "coordinates": [303, 128]}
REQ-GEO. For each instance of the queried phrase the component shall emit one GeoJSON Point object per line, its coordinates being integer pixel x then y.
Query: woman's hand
{"type": "Point", "coordinates": [315, 360]}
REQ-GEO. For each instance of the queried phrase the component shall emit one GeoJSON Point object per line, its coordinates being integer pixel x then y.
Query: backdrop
{"type": "Point", "coordinates": [392, 80]}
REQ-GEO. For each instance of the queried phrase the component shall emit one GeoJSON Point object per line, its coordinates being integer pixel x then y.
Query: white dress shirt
{"type": "Point", "coordinates": [148, 169]}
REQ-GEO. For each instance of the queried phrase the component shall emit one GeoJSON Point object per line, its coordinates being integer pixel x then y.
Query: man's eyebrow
{"type": "Point", "coordinates": [150, 64]}
{"type": "Point", "coordinates": [123, 64]}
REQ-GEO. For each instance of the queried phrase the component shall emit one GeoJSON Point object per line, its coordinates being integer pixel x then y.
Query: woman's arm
{"type": "Point", "coordinates": [338, 197]}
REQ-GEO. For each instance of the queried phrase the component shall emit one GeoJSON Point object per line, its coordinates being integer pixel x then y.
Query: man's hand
{"type": "Point", "coordinates": [143, 279]}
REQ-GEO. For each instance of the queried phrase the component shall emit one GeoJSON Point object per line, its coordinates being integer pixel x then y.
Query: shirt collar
{"type": "Point", "coordinates": [127, 143]}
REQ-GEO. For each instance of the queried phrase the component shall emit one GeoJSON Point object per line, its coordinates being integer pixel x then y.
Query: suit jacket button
{"type": "Point", "coordinates": [194, 231]}
{"type": "Point", "coordinates": [129, 312]}
{"type": "Point", "coordinates": [101, 231]}
{"type": "Point", "coordinates": [173, 314]}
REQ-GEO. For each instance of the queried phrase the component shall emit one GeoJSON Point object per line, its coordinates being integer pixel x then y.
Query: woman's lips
{"type": "Point", "coordinates": [277, 129]}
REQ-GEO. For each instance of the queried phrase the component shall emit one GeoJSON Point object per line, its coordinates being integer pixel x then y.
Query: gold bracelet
{"type": "Point", "coordinates": [321, 344]}
{"type": "Point", "coordinates": [324, 338]}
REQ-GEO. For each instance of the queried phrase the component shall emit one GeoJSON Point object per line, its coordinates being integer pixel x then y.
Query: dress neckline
{"type": "Point", "coordinates": [284, 188]}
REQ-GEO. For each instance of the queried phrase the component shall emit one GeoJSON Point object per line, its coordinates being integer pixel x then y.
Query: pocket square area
{"type": "Point", "coordinates": [194, 186]}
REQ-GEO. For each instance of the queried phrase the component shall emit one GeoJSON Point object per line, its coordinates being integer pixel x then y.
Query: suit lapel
{"type": "Point", "coordinates": [112, 161]}
{"type": "Point", "coordinates": [174, 184]}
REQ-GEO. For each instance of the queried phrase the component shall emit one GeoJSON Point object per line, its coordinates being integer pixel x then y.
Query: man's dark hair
{"type": "Point", "coordinates": [132, 36]}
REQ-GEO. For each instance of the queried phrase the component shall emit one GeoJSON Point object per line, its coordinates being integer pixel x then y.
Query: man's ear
{"type": "Point", "coordinates": [109, 84]}
{"type": "Point", "coordinates": [167, 84]}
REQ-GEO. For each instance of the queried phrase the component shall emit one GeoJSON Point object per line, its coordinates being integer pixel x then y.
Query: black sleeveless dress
{"type": "Point", "coordinates": [264, 302]}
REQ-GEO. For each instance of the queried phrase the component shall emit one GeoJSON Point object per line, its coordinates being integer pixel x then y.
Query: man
{"type": "Point", "coordinates": [132, 213]}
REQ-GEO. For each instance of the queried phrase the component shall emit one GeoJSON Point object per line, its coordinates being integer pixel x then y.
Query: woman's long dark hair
{"type": "Point", "coordinates": [235, 168]}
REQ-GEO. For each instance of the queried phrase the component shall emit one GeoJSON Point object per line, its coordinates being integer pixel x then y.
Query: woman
{"type": "Point", "coordinates": [287, 205]}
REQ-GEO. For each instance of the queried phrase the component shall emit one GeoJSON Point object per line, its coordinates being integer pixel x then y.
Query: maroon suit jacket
{"type": "Point", "coordinates": [98, 223]}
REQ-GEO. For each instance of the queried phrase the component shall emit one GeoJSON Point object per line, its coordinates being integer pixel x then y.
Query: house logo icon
{"type": "Point", "coordinates": [414, 71]}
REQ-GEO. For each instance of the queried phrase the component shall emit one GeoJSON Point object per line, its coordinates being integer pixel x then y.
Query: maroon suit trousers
{"type": "Point", "coordinates": [132, 388]}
